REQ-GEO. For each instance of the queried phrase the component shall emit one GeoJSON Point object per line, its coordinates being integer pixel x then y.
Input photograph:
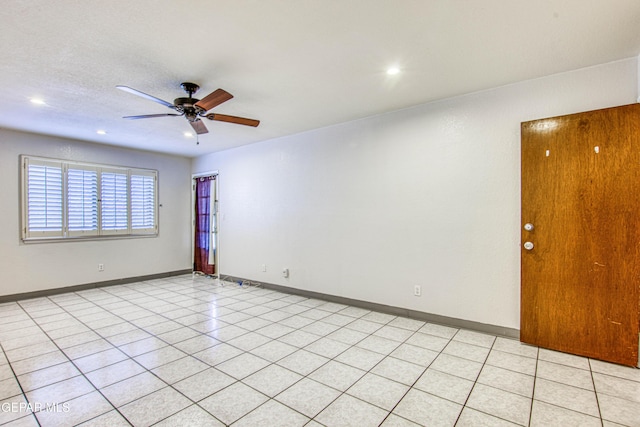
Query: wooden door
{"type": "Point", "coordinates": [581, 193]}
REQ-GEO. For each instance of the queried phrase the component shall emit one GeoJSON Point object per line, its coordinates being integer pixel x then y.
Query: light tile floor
{"type": "Point", "coordinates": [192, 351]}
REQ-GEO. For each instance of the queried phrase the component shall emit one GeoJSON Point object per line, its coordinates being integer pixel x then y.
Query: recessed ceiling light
{"type": "Point", "coordinates": [101, 132]}
{"type": "Point", "coordinates": [188, 134]}
{"type": "Point", "coordinates": [37, 101]}
{"type": "Point", "coordinates": [392, 71]}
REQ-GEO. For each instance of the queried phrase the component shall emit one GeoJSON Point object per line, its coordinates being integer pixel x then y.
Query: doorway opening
{"type": "Point", "coordinates": [205, 224]}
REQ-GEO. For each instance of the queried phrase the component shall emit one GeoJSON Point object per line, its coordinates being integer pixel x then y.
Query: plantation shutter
{"type": "Point", "coordinates": [115, 201]}
{"type": "Point", "coordinates": [44, 201]}
{"type": "Point", "coordinates": [143, 202]}
{"type": "Point", "coordinates": [82, 200]}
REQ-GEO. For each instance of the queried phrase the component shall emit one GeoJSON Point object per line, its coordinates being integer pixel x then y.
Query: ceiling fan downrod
{"type": "Point", "coordinates": [190, 88]}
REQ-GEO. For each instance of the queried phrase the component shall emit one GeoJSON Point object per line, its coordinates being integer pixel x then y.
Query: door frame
{"type": "Point", "coordinates": [193, 217]}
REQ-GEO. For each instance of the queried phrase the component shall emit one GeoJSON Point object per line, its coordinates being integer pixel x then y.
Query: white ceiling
{"type": "Point", "coordinates": [295, 65]}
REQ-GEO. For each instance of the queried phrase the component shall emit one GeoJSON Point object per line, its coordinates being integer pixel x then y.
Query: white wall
{"type": "Point", "coordinates": [425, 196]}
{"type": "Point", "coordinates": [37, 266]}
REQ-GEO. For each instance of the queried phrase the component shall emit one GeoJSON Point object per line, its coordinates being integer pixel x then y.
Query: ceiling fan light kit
{"type": "Point", "coordinates": [192, 108]}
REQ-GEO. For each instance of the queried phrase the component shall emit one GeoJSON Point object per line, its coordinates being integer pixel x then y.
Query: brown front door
{"type": "Point", "coordinates": [581, 195]}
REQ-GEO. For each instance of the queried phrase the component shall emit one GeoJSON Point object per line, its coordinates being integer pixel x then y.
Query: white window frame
{"type": "Point", "coordinates": [138, 201]}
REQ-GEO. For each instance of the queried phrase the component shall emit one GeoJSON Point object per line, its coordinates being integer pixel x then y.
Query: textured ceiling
{"type": "Point", "coordinates": [295, 65]}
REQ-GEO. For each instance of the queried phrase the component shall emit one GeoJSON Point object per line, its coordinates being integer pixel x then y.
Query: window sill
{"type": "Point", "coordinates": [35, 240]}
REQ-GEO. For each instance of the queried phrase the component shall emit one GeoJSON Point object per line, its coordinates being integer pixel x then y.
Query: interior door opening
{"type": "Point", "coordinates": [205, 248]}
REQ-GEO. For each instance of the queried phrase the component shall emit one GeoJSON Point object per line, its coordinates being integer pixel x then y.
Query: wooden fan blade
{"type": "Point", "coordinates": [150, 116]}
{"type": "Point", "coordinates": [215, 98]}
{"type": "Point", "coordinates": [147, 96]}
{"type": "Point", "coordinates": [199, 127]}
{"type": "Point", "coordinates": [233, 119]}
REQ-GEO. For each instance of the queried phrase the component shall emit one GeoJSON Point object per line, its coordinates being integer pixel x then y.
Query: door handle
{"type": "Point", "coordinates": [528, 245]}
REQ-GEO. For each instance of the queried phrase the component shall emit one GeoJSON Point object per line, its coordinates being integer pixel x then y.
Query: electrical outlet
{"type": "Point", "coordinates": [285, 272]}
{"type": "Point", "coordinates": [264, 268]}
{"type": "Point", "coordinates": [100, 267]}
{"type": "Point", "coordinates": [417, 290]}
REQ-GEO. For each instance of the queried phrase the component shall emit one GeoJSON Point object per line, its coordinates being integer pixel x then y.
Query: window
{"type": "Point", "coordinates": [68, 200]}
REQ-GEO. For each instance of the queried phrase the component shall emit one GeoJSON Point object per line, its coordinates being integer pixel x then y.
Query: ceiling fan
{"type": "Point", "coordinates": [193, 109]}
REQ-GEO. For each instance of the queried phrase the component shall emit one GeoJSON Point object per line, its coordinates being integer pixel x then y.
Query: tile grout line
{"type": "Point", "coordinates": [244, 351]}
{"type": "Point", "coordinates": [319, 367]}
{"type": "Point", "coordinates": [128, 357]}
{"type": "Point", "coordinates": [144, 367]}
{"type": "Point", "coordinates": [366, 372]}
{"type": "Point", "coordinates": [572, 386]}
{"type": "Point", "coordinates": [334, 358]}
{"type": "Point", "coordinates": [107, 340]}
{"type": "Point", "coordinates": [418, 379]}
{"type": "Point", "coordinates": [170, 345]}
{"type": "Point", "coordinates": [270, 362]}
{"type": "Point", "coordinates": [194, 294]}
{"type": "Point", "coordinates": [82, 373]}
{"type": "Point", "coordinates": [326, 336]}
{"type": "Point", "coordinates": [74, 365]}
{"type": "Point", "coordinates": [535, 380]}
{"type": "Point", "coordinates": [19, 384]}
{"type": "Point", "coordinates": [475, 382]}
{"type": "Point", "coordinates": [211, 366]}
{"type": "Point", "coordinates": [595, 391]}
{"type": "Point", "coordinates": [299, 328]}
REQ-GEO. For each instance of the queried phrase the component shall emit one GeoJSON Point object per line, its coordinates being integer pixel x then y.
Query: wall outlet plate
{"type": "Point", "coordinates": [417, 290]}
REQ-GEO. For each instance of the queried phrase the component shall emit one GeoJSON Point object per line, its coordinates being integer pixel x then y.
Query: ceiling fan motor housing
{"type": "Point", "coordinates": [187, 106]}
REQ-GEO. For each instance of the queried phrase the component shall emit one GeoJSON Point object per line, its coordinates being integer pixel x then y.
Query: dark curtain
{"type": "Point", "coordinates": [203, 224]}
